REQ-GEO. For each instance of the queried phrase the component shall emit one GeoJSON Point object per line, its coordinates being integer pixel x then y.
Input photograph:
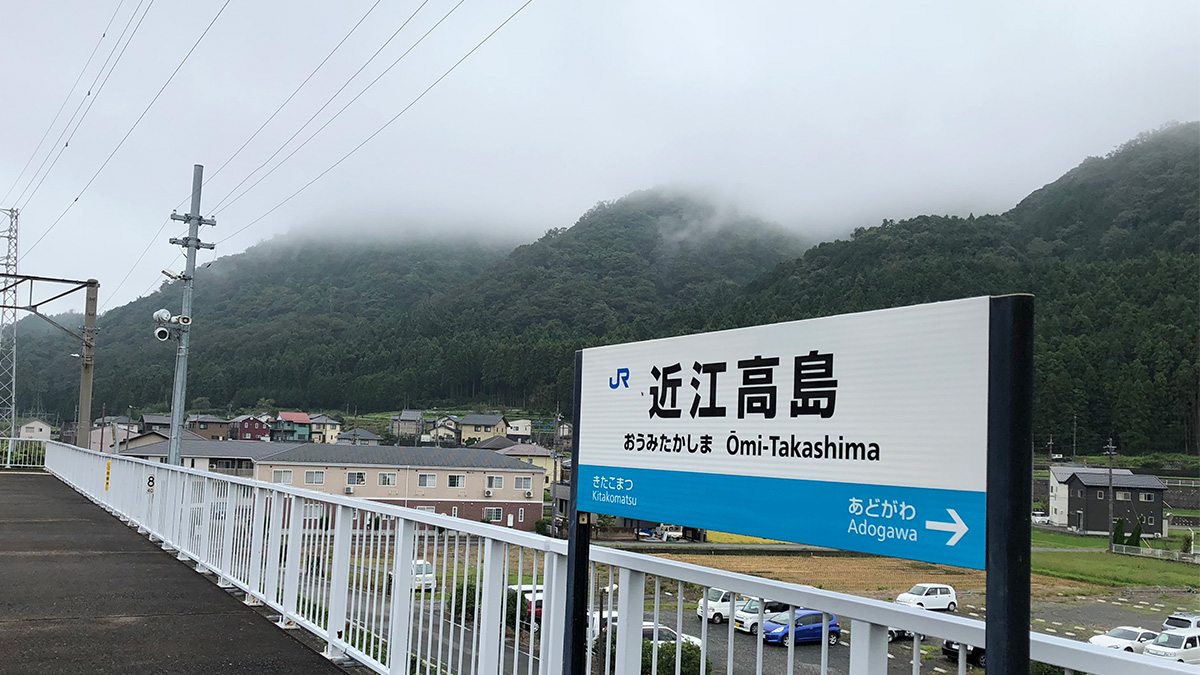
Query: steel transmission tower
{"type": "Point", "coordinates": [8, 328]}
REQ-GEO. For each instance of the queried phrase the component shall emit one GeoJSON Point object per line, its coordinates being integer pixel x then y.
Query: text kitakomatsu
{"type": "Point", "coordinates": [756, 446]}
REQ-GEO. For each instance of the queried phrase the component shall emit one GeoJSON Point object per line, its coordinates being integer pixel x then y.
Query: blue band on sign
{"type": "Point", "coordinates": [932, 525]}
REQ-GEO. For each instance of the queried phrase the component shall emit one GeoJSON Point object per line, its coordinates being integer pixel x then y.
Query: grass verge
{"type": "Point", "coordinates": [1114, 570]}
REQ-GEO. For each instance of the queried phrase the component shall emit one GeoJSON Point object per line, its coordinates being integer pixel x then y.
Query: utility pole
{"type": "Point", "coordinates": [1074, 433]}
{"type": "Point", "coordinates": [1110, 450]}
{"type": "Point", "coordinates": [191, 243]}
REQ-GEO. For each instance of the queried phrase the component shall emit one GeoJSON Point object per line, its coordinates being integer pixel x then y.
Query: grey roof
{"type": "Point", "coordinates": [241, 418]}
{"type": "Point", "coordinates": [526, 450]}
{"type": "Point", "coordinates": [207, 419]}
{"type": "Point", "coordinates": [113, 419]}
{"type": "Point", "coordinates": [485, 420]}
{"type": "Point", "coordinates": [156, 419]}
{"type": "Point", "coordinates": [360, 434]}
{"type": "Point", "coordinates": [1063, 473]}
{"type": "Point", "coordinates": [495, 443]}
{"type": "Point", "coordinates": [190, 447]}
{"type": "Point", "coordinates": [409, 416]}
{"type": "Point", "coordinates": [322, 419]}
{"type": "Point", "coordinates": [376, 455]}
{"type": "Point", "coordinates": [1137, 480]}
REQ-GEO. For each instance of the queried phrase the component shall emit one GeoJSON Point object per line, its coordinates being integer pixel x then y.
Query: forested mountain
{"type": "Point", "coordinates": [1110, 250]}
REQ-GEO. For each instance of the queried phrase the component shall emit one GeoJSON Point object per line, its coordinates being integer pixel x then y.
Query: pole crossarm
{"type": "Point", "coordinates": [35, 307]}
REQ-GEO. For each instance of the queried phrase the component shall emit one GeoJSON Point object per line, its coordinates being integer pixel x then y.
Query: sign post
{"type": "Point", "coordinates": [887, 429]}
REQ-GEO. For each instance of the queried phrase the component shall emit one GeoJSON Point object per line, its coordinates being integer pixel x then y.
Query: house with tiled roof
{"type": "Point", "coordinates": [324, 429]}
{"type": "Point", "coordinates": [474, 428]}
{"type": "Point", "coordinates": [209, 426]}
{"type": "Point", "coordinates": [359, 437]}
{"type": "Point", "coordinates": [292, 427]}
{"type": "Point", "coordinates": [1080, 499]}
{"type": "Point", "coordinates": [407, 423]}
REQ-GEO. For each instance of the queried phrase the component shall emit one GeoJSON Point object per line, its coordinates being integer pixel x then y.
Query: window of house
{"type": "Point", "coordinates": [487, 428]}
{"type": "Point", "coordinates": [1079, 493]}
{"type": "Point", "coordinates": [493, 514]}
{"type": "Point", "coordinates": [1149, 520]}
{"type": "Point", "coordinates": [281, 476]}
{"type": "Point", "coordinates": [1122, 496]}
{"type": "Point", "coordinates": [454, 511]}
{"type": "Point", "coordinates": [387, 478]}
{"type": "Point", "coordinates": [1146, 496]}
{"type": "Point", "coordinates": [356, 478]}
{"type": "Point", "coordinates": [520, 515]}
{"type": "Point", "coordinates": [246, 436]}
{"type": "Point", "coordinates": [478, 428]}
{"type": "Point", "coordinates": [1099, 494]}
{"type": "Point", "coordinates": [495, 482]}
{"type": "Point", "coordinates": [204, 425]}
{"type": "Point", "coordinates": [427, 480]}
{"type": "Point", "coordinates": [456, 481]}
{"type": "Point", "coordinates": [427, 509]}
{"type": "Point", "coordinates": [524, 482]}
{"type": "Point", "coordinates": [314, 477]}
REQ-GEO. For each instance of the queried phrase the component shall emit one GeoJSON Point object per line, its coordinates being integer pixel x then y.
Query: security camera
{"type": "Point", "coordinates": [162, 316]}
{"type": "Point", "coordinates": [183, 320]}
{"type": "Point", "coordinates": [162, 333]}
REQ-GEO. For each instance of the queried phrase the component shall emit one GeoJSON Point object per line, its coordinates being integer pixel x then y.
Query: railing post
{"type": "Point", "coordinates": [491, 619]}
{"type": "Point", "coordinates": [631, 605]}
{"type": "Point", "coordinates": [402, 582]}
{"type": "Point", "coordinates": [258, 511]}
{"type": "Point", "coordinates": [231, 492]}
{"type": "Point", "coordinates": [274, 543]}
{"type": "Point", "coordinates": [339, 582]}
{"type": "Point", "coordinates": [202, 555]}
{"type": "Point", "coordinates": [554, 611]}
{"type": "Point", "coordinates": [291, 571]}
{"type": "Point", "coordinates": [868, 648]}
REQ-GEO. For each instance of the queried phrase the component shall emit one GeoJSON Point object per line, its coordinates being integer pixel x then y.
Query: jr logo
{"type": "Point", "coordinates": [622, 379]}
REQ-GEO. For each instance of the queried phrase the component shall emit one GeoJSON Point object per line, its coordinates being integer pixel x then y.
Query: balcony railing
{"type": "Point", "coordinates": [403, 591]}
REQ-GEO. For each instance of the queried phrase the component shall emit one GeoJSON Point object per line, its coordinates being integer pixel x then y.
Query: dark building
{"type": "Point", "coordinates": [249, 428]}
{"type": "Point", "coordinates": [1137, 498]}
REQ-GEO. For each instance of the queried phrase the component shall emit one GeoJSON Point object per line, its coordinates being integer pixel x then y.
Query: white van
{"type": "Point", "coordinates": [422, 576]}
{"type": "Point", "coordinates": [1176, 645]}
{"type": "Point", "coordinates": [721, 605]}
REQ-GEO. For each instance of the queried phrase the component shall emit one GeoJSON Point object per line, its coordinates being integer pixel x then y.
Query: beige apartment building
{"type": "Point", "coordinates": [460, 482]}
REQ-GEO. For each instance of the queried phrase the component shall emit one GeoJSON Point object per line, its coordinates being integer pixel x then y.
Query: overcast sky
{"type": "Point", "coordinates": [820, 116]}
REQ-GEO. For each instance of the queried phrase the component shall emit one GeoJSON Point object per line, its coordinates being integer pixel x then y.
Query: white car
{"type": "Point", "coordinates": [746, 618]}
{"type": "Point", "coordinates": [1125, 638]}
{"type": "Point", "coordinates": [721, 605]}
{"type": "Point", "coordinates": [1176, 645]}
{"type": "Point", "coordinates": [666, 634]}
{"type": "Point", "coordinates": [930, 596]}
{"type": "Point", "coordinates": [1040, 518]}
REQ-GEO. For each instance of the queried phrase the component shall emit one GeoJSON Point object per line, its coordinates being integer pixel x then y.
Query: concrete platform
{"type": "Point", "coordinates": [80, 592]}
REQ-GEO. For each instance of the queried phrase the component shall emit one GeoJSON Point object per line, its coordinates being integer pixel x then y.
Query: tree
{"type": "Point", "coordinates": [1186, 544]}
{"type": "Point", "coordinates": [201, 403]}
{"type": "Point", "coordinates": [1135, 538]}
{"type": "Point", "coordinates": [1119, 532]}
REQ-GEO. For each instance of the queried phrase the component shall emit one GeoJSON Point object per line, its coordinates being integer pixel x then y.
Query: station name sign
{"type": "Point", "coordinates": [864, 432]}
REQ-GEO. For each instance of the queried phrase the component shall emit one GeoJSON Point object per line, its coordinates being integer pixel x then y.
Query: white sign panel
{"type": "Point", "coordinates": [863, 432]}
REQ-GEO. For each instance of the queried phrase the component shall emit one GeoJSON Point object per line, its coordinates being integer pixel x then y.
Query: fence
{"type": "Point", "coordinates": [401, 590]}
{"type": "Point", "coordinates": [1157, 553]}
{"type": "Point", "coordinates": [23, 453]}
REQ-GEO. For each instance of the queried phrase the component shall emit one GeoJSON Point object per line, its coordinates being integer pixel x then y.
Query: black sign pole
{"type": "Point", "coordinates": [1009, 477]}
{"type": "Point", "coordinates": [578, 542]}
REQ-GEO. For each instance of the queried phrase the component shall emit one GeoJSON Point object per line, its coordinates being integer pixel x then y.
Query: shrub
{"type": "Point", "coordinates": [1135, 538]}
{"type": "Point", "coordinates": [1119, 532]}
{"type": "Point", "coordinates": [542, 526]}
{"type": "Point", "coordinates": [1186, 544]}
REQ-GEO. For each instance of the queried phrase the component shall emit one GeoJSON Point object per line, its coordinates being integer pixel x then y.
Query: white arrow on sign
{"type": "Point", "coordinates": [958, 527]}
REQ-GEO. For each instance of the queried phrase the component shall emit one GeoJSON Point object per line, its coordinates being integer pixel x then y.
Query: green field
{"type": "Point", "coordinates": [1048, 539]}
{"type": "Point", "coordinates": [1194, 513]}
{"type": "Point", "coordinates": [1115, 570]}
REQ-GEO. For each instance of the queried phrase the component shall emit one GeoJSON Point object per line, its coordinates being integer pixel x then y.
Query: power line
{"type": "Point", "coordinates": [385, 126]}
{"type": "Point", "coordinates": [135, 124]}
{"type": "Point", "coordinates": [89, 99]}
{"type": "Point", "coordinates": [66, 99]}
{"type": "Point", "coordinates": [132, 267]}
{"type": "Point", "coordinates": [345, 84]}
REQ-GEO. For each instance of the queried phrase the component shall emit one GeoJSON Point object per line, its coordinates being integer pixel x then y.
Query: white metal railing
{"type": "Point", "coordinates": [396, 588]}
{"type": "Point", "coordinates": [1159, 553]}
{"type": "Point", "coordinates": [22, 453]}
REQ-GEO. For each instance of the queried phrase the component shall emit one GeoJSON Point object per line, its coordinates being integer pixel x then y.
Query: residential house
{"type": "Point", "coordinates": [292, 427]}
{"type": "Point", "coordinates": [324, 429]}
{"type": "Point", "coordinates": [1085, 491]}
{"type": "Point", "coordinates": [150, 438]}
{"type": "Point", "coordinates": [520, 431]}
{"type": "Point", "coordinates": [535, 455]}
{"type": "Point", "coordinates": [249, 428]}
{"type": "Point", "coordinates": [475, 428]}
{"type": "Point", "coordinates": [155, 423]}
{"type": "Point", "coordinates": [409, 423]}
{"type": "Point", "coordinates": [121, 422]}
{"type": "Point", "coordinates": [359, 437]}
{"type": "Point", "coordinates": [235, 458]}
{"type": "Point", "coordinates": [462, 482]}
{"type": "Point", "coordinates": [35, 429]}
{"type": "Point", "coordinates": [445, 430]}
{"type": "Point", "coordinates": [495, 443]}
{"type": "Point", "coordinates": [209, 426]}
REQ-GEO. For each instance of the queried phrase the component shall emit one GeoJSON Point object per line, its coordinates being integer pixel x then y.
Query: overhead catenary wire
{"type": "Point", "coordinates": [89, 99]}
{"type": "Point", "coordinates": [385, 125]}
{"type": "Point", "coordinates": [37, 149]}
{"type": "Point", "coordinates": [328, 101]}
{"type": "Point", "coordinates": [154, 238]}
{"type": "Point", "coordinates": [135, 124]}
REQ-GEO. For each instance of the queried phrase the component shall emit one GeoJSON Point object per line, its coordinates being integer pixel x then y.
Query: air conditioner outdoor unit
{"type": "Point", "coordinates": [529, 493]}
{"type": "Point", "coordinates": [349, 489]}
{"type": "Point", "coordinates": [487, 493]}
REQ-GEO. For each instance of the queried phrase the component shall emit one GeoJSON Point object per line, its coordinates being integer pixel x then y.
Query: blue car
{"type": "Point", "coordinates": [808, 627]}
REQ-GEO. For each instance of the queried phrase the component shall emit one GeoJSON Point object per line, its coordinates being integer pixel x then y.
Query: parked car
{"type": "Point", "coordinates": [533, 597]}
{"type": "Point", "coordinates": [746, 618]}
{"type": "Point", "coordinates": [930, 596]}
{"type": "Point", "coordinates": [1125, 638]}
{"type": "Point", "coordinates": [422, 575]}
{"type": "Point", "coordinates": [721, 605]}
{"type": "Point", "coordinates": [1182, 621]}
{"type": "Point", "coordinates": [807, 627]}
{"type": "Point", "coordinates": [1040, 518]}
{"type": "Point", "coordinates": [666, 634]}
{"type": "Point", "coordinates": [1176, 645]}
{"type": "Point", "coordinates": [976, 655]}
